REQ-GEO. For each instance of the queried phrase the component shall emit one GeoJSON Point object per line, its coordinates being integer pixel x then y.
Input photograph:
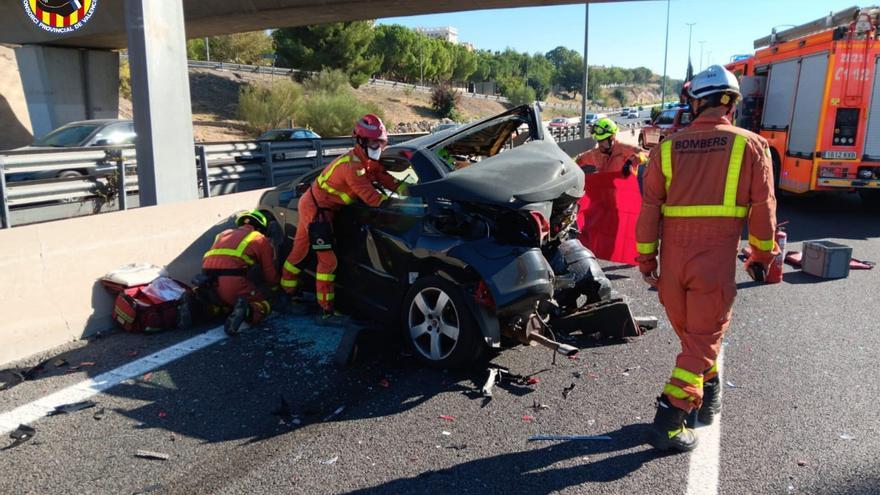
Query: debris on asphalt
{"type": "Point", "coordinates": [568, 437]}
{"type": "Point", "coordinates": [730, 384]}
{"type": "Point", "coordinates": [72, 408]}
{"type": "Point", "coordinates": [461, 446]}
{"type": "Point", "coordinates": [446, 433]}
{"type": "Point", "coordinates": [87, 363]}
{"type": "Point", "coordinates": [384, 383]}
{"type": "Point", "coordinates": [567, 390]}
{"type": "Point", "coordinates": [9, 379]}
{"type": "Point", "coordinates": [147, 376]}
{"type": "Point", "coordinates": [446, 417]}
{"type": "Point", "coordinates": [330, 461]}
{"type": "Point", "coordinates": [148, 489]}
{"type": "Point", "coordinates": [60, 362]}
{"type": "Point", "coordinates": [149, 454]}
{"type": "Point", "coordinates": [21, 435]}
{"type": "Point", "coordinates": [133, 353]}
{"type": "Point", "coordinates": [335, 413]}
{"type": "Point", "coordinates": [801, 462]}
{"type": "Point", "coordinates": [846, 436]}
{"type": "Point", "coordinates": [163, 414]}
{"type": "Point", "coordinates": [32, 373]}
{"type": "Point", "coordinates": [591, 422]}
{"type": "Point", "coordinates": [99, 414]}
{"type": "Point", "coordinates": [537, 406]}
{"type": "Point", "coordinates": [533, 381]}
{"type": "Point", "coordinates": [577, 374]}
{"type": "Point", "coordinates": [491, 380]}
{"type": "Point", "coordinates": [527, 418]}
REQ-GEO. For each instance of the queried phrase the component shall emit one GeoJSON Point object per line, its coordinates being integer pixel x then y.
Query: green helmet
{"type": "Point", "coordinates": [253, 218]}
{"type": "Point", "coordinates": [603, 129]}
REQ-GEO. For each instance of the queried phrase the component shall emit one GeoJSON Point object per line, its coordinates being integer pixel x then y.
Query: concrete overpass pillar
{"type": "Point", "coordinates": [62, 85]}
{"type": "Point", "coordinates": [160, 97]}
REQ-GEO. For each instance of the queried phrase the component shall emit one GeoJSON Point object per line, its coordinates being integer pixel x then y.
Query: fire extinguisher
{"type": "Point", "coordinates": [774, 273]}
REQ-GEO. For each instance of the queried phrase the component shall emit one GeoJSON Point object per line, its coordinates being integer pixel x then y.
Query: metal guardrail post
{"type": "Point", "coordinates": [123, 194]}
{"type": "Point", "coordinates": [268, 164]}
{"type": "Point", "coordinates": [319, 153]}
{"type": "Point", "coordinates": [203, 172]}
{"type": "Point", "coordinates": [4, 205]}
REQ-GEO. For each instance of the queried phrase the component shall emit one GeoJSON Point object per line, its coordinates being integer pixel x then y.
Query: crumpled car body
{"type": "Point", "coordinates": [481, 245]}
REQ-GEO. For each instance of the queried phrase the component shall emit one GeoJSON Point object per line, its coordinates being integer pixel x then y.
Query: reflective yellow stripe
{"type": "Point", "coordinates": [266, 307]}
{"type": "Point", "coordinates": [728, 207]}
{"type": "Point", "coordinates": [326, 297]}
{"type": "Point", "coordinates": [402, 188]}
{"type": "Point", "coordinates": [323, 178]}
{"type": "Point", "coordinates": [125, 317]}
{"type": "Point", "coordinates": [733, 168]}
{"type": "Point", "coordinates": [325, 277]}
{"type": "Point", "coordinates": [688, 377]}
{"type": "Point", "coordinates": [675, 433]}
{"type": "Point", "coordinates": [289, 283]}
{"type": "Point", "coordinates": [647, 247]}
{"type": "Point", "coordinates": [705, 211]}
{"type": "Point", "coordinates": [291, 268]}
{"type": "Point", "coordinates": [238, 252]}
{"type": "Point", "coordinates": [762, 245]}
{"type": "Point", "coordinates": [666, 162]}
{"type": "Point", "coordinates": [676, 392]}
{"type": "Point", "coordinates": [714, 368]}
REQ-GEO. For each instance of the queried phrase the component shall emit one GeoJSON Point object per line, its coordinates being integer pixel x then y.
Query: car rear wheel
{"type": "Point", "coordinates": [438, 325]}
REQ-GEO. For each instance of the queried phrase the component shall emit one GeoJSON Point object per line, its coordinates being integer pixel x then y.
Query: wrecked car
{"type": "Point", "coordinates": [481, 251]}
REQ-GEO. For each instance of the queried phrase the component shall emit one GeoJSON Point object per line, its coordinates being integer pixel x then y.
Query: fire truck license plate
{"type": "Point", "coordinates": [839, 155]}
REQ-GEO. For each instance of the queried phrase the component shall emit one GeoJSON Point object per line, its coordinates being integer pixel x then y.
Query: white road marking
{"type": "Point", "coordinates": [706, 458]}
{"type": "Point", "coordinates": [81, 391]}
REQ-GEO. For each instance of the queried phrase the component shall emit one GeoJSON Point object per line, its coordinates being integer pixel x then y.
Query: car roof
{"type": "Point", "coordinates": [98, 122]}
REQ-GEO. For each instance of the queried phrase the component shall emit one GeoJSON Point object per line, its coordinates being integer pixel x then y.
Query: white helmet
{"type": "Point", "coordinates": [715, 79]}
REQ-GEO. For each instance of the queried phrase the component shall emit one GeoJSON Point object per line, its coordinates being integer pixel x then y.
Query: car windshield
{"type": "Point", "coordinates": [67, 136]}
{"type": "Point", "coordinates": [590, 116]}
{"type": "Point", "coordinates": [274, 136]}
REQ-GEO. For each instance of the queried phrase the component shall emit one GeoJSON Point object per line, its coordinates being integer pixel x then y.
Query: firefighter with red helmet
{"type": "Point", "coordinates": [228, 262]}
{"type": "Point", "coordinates": [347, 179]}
{"type": "Point", "coordinates": [701, 185]}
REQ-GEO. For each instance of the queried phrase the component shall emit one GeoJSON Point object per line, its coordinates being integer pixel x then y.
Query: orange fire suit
{"type": "Point", "coordinates": [346, 179]}
{"type": "Point", "coordinates": [233, 253]}
{"type": "Point", "coordinates": [700, 186]}
{"type": "Point", "coordinates": [614, 161]}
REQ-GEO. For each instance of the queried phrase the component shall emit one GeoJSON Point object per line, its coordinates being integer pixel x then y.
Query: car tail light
{"type": "Point", "coordinates": [542, 224]}
{"type": "Point", "coordinates": [483, 296]}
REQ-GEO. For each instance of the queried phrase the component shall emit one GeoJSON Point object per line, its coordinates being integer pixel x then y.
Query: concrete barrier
{"type": "Point", "coordinates": [49, 272]}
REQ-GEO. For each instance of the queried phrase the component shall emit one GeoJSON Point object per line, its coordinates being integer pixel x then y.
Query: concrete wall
{"type": "Point", "coordinates": [49, 289]}
{"type": "Point", "coordinates": [64, 85]}
{"type": "Point", "coordinates": [15, 124]}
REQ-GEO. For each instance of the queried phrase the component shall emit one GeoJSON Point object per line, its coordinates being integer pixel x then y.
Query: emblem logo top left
{"type": "Point", "coordinates": [59, 16]}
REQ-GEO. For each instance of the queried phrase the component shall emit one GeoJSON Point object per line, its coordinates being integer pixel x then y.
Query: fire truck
{"type": "Point", "coordinates": [813, 91]}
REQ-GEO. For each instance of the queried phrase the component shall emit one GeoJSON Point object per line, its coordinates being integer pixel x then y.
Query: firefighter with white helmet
{"type": "Point", "coordinates": [701, 185]}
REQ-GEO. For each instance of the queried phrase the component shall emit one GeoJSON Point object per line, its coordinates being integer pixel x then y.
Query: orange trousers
{"type": "Point", "coordinates": [325, 272]}
{"type": "Point", "coordinates": [697, 287]}
{"type": "Point", "coordinates": [229, 289]}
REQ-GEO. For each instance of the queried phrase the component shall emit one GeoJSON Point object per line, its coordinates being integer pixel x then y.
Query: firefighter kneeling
{"type": "Point", "coordinates": [701, 185]}
{"type": "Point", "coordinates": [346, 179]}
{"type": "Point", "coordinates": [225, 271]}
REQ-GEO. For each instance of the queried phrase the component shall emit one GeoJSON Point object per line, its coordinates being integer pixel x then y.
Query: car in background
{"type": "Point", "coordinates": [592, 118]}
{"type": "Point", "coordinates": [668, 122]}
{"type": "Point", "coordinates": [288, 134]}
{"type": "Point", "coordinates": [444, 126]}
{"type": "Point", "coordinates": [559, 122]}
{"type": "Point", "coordinates": [483, 247]}
{"type": "Point", "coordinates": [279, 136]}
{"type": "Point", "coordinates": [81, 134]}
{"type": "Point", "coordinates": [630, 113]}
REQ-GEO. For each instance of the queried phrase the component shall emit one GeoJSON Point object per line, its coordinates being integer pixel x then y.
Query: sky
{"type": "Point", "coordinates": [631, 34]}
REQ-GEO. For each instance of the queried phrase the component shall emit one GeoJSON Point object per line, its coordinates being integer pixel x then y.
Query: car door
{"type": "Point", "coordinates": [663, 126]}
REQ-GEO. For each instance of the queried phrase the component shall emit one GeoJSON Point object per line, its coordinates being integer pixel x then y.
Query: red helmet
{"type": "Point", "coordinates": [370, 127]}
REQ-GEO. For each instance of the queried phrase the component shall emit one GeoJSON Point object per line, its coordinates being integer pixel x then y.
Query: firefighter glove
{"type": "Point", "coordinates": [755, 269]}
{"type": "Point", "coordinates": [627, 169]}
{"type": "Point", "coordinates": [649, 271]}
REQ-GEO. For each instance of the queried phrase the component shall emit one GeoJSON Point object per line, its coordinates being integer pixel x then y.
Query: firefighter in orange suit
{"type": "Point", "coordinates": [701, 185]}
{"type": "Point", "coordinates": [610, 155]}
{"type": "Point", "coordinates": [228, 261]}
{"type": "Point", "coordinates": [348, 178]}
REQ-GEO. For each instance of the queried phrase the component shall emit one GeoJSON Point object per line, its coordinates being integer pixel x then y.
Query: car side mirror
{"type": "Point", "coordinates": [648, 121]}
{"type": "Point", "coordinates": [101, 142]}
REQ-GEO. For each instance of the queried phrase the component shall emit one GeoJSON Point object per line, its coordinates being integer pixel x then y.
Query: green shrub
{"type": "Point", "coordinates": [333, 114]}
{"type": "Point", "coordinates": [124, 79]}
{"type": "Point", "coordinates": [264, 107]}
{"type": "Point", "coordinates": [521, 95]}
{"type": "Point", "coordinates": [444, 100]}
{"type": "Point", "coordinates": [328, 80]}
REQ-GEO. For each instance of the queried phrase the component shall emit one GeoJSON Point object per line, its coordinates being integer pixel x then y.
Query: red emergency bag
{"type": "Point", "coordinates": [136, 312]}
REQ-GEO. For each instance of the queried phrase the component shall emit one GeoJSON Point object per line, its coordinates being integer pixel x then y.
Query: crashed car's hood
{"type": "Point", "coordinates": [534, 172]}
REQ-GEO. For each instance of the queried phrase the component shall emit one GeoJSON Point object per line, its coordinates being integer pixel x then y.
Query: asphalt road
{"type": "Point", "coordinates": [799, 404]}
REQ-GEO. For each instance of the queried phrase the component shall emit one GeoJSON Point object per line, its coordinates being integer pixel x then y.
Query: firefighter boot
{"type": "Point", "coordinates": [237, 317]}
{"type": "Point", "coordinates": [669, 431]}
{"type": "Point", "coordinates": [711, 401]}
{"type": "Point", "coordinates": [332, 318]}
